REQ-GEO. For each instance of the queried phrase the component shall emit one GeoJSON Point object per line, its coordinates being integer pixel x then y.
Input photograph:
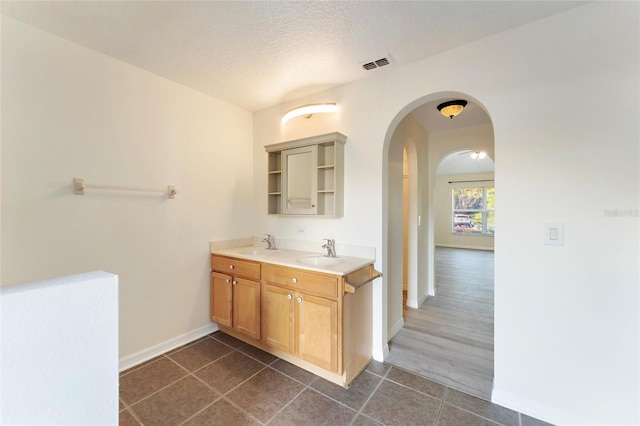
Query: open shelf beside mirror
{"type": "Point", "coordinates": [275, 182]}
{"type": "Point", "coordinates": [306, 176]}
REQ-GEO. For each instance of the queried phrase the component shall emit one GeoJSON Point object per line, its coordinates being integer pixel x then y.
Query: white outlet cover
{"type": "Point", "coordinates": [554, 234]}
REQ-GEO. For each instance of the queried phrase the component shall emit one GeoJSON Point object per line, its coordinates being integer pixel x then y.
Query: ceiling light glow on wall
{"type": "Point", "coordinates": [308, 111]}
{"type": "Point", "coordinates": [452, 108]}
{"type": "Point", "coordinates": [478, 155]}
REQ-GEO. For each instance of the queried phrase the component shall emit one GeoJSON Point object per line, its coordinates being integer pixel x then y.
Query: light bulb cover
{"type": "Point", "coordinates": [452, 108]}
{"type": "Point", "coordinates": [309, 110]}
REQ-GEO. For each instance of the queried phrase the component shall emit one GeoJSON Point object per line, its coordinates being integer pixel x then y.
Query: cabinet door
{"type": "Point", "coordinates": [300, 180]}
{"type": "Point", "coordinates": [277, 317]}
{"type": "Point", "coordinates": [220, 296]}
{"type": "Point", "coordinates": [316, 330]}
{"type": "Point", "coordinates": [246, 307]}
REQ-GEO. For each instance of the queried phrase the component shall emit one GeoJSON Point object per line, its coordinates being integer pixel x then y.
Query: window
{"type": "Point", "coordinates": [473, 211]}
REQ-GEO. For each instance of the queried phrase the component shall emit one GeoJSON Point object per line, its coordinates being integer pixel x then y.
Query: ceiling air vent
{"type": "Point", "coordinates": [376, 63]}
{"type": "Point", "coordinates": [370, 66]}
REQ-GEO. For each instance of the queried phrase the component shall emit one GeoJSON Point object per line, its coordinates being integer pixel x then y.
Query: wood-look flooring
{"type": "Point", "coordinates": [449, 339]}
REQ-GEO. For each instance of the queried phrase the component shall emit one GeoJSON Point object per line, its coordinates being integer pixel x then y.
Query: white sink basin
{"type": "Point", "coordinates": [319, 260]}
{"type": "Point", "coordinates": [257, 251]}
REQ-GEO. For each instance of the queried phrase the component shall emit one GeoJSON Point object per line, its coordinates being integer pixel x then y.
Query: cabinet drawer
{"type": "Point", "coordinates": [236, 267]}
{"type": "Point", "coordinates": [306, 282]}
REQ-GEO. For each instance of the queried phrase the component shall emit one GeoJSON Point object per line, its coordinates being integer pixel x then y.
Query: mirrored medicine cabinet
{"type": "Point", "coordinates": [306, 176]}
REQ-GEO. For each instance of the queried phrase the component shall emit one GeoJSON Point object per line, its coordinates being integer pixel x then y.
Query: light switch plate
{"type": "Point", "coordinates": [554, 234]}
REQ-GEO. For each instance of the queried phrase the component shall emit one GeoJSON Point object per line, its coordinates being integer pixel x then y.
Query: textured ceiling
{"type": "Point", "coordinates": [259, 54]}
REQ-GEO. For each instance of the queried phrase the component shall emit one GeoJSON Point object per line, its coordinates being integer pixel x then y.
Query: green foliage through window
{"type": "Point", "coordinates": [473, 211]}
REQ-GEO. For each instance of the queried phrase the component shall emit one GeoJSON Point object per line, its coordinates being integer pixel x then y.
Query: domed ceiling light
{"type": "Point", "coordinates": [478, 155]}
{"type": "Point", "coordinates": [452, 108]}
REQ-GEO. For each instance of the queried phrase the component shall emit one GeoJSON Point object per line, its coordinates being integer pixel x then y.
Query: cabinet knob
{"type": "Point", "coordinates": [289, 296]}
{"type": "Point", "coordinates": [230, 266]}
{"type": "Point", "coordinates": [234, 282]}
{"type": "Point", "coordinates": [299, 299]}
{"type": "Point", "coordinates": [294, 280]}
{"type": "Point", "coordinates": [228, 280]}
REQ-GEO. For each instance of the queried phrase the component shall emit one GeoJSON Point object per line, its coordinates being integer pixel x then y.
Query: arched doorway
{"type": "Point", "coordinates": [426, 141]}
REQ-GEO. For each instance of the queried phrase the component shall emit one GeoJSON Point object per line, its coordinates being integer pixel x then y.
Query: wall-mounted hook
{"type": "Point", "coordinates": [171, 192]}
{"type": "Point", "coordinates": [78, 186]}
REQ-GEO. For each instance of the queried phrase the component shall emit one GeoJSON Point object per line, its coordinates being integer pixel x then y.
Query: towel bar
{"type": "Point", "coordinates": [79, 186]}
{"type": "Point", "coordinates": [352, 288]}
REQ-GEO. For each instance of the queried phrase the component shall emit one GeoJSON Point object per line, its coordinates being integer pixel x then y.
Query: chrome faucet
{"type": "Point", "coordinates": [331, 247]}
{"type": "Point", "coordinates": [271, 244]}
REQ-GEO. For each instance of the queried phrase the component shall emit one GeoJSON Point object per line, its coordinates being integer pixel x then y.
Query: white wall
{"type": "Point", "coordinates": [567, 318]}
{"type": "Point", "coordinates": [1, 133]}
{"type": "Point", "coordinates": [361, 224]}
{"type": "Point", "coordinates": [408, 137]}
{"type": "Point", "coordinates": [444, 211]}
{"type": "Point", "coordinates": [567, 325]}
{"type": "Point", "coordinates": [59, 351]}
{"type": "Point", "coordinates": [68, 112]}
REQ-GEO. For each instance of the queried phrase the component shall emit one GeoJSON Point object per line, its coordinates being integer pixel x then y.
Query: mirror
{"type": "Point", "coordinates": [299, 181]}
{"type": "Point", "coordinates": [300, 178]}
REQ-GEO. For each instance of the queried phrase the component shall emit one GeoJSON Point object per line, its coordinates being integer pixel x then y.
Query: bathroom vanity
{"type": "Point", "coordinates": [310, 310]}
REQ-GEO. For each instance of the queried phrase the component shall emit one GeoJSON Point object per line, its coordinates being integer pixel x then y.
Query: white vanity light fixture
{"type": "Point", "coordinates": [309, 110]}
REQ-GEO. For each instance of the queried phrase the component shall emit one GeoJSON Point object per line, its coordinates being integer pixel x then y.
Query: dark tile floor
{"type": "Point", "coordinates": [218, 380]}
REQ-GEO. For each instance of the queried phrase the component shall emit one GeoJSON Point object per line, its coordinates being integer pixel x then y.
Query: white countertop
{"type": "Point", "coordinates": [290, 258]}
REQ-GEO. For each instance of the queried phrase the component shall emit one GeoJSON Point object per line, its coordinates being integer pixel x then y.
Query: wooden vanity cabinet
{"type": "Point", "coordinates": [235, 294]}
{"type": "Point", "coordinates": [300, 315]}
{"type": "Point", "coordinates": [317, 321]}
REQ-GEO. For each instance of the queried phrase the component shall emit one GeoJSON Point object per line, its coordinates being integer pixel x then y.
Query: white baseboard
{"type": "Point", "coordinates": [464, 247]}
{"type": "Point", "coordinates": [380, 354]}
{"type": "Point", "coordinates": [396, 327]}
{"type": "Point", "coordinates": [163, 347]}
{"type": "Point", "coordinates": [536, 409]}
{"type": "Point", "coordinates": [413, 303]}
{"type": "Point", "coordinates": [422, 299]}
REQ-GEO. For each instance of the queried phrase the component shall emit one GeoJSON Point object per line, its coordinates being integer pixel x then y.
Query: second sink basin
{"type": "Point", "coordinates": [319, 260]}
